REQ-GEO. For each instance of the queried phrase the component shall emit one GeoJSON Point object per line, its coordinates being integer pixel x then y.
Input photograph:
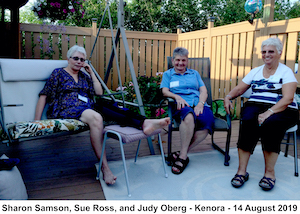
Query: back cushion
{"type": "Point", "coordinates": [21, 81]}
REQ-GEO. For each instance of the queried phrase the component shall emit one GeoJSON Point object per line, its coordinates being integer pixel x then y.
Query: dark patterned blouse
{"type": "Point", "coordinates": [65, 97]}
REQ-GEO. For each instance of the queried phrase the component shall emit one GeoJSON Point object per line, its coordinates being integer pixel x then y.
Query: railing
{"type": "Point", "coordinates": [233, 49]}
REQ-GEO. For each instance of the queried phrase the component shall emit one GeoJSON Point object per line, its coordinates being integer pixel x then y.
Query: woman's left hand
{"type": "Point", "coordinates": [263, 116]}
{"type": "Point", "coordinates": [87, 68]}
{"type": "Point", "coordinates": [198, 109]}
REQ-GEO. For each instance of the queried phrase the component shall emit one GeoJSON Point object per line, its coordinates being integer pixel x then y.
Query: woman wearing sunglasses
{"type": "Point", "coordinates": [269, 112]}
{"type": "Point", "coordinates": [69, 92]}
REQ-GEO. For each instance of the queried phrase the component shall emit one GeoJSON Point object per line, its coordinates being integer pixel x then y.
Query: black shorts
{"type": "Point", "coordinates": [271, 132]}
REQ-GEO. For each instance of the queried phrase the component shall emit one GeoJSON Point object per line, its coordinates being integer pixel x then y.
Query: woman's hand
{"type": "Point", "coordinates": [181, 103]}
{"type": "Point", "coordinates": [227, 105]}
{"type": "Point", "coordinates": [87, 68]}
{"type": "Point", "coordinates": [199, 109]}
{"type": "Point", "coordinates": [263, 116]}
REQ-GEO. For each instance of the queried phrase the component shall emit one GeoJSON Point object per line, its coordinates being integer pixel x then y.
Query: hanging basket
{"type": "Point", "coordinates": [58, 9]}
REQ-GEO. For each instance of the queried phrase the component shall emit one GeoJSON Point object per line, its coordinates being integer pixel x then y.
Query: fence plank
{"type": "Point", "coordinates": [55, 43]}
{"type": "Point", "coordinates": [228, 64]}
{"type": "Point", "coordinates": [249, 50]}
{"type": "Point", "coordinates": [213, 68]}
{"type": "Point", "coordinates": [64, 46]}
{"type": "Point", "coordinates": [28, 45]}
{"type": "Point", "coordinates": [135, 56]}
{"type": "Point", "coordinates": [218, 68]}
{"type": "Point", "coordinates": [154, 57]}
{"type": "Point", "coordinates": [36, 45]}
{"type": "Point", "coordinates": [292, 47]}
{"type": "Point", "coordinates": [161, 50]}
{"type": "Point", "coordinates": [223, 67]}
{"type": "Point", "coordinates": [46, 44]}
{"type": "Point", "coordinates": [148, 57]}
{"type": "Point", "coordinates": [283, 38]}
{"type": "Point", "coordinates": [142, 58]}
{"type": "Point", "coordinates": [168, 53]}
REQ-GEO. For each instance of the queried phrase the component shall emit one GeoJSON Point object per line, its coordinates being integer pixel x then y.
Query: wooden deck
{"type": "Point", "coordinates": [63, 167]}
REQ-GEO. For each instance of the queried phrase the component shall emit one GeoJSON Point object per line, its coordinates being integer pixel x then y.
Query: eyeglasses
{"type": "Point", "coordinates": [270, 52]}
{"type": "Point", "coordinates": [76, 58]}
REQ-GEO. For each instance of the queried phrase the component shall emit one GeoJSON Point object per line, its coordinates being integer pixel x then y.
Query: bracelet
{"type": "Point", "coordinates": [202, 102]}
{"type": "Point", "coordinates": [229, 96]}
{"type": "Point", "coordinates": [271, 110]}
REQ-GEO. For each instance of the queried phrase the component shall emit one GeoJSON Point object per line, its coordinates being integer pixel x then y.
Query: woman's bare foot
{"type": "Point", "coordinates": [150, 125]}
{"type": "Point", "coordinates": [108, 176]}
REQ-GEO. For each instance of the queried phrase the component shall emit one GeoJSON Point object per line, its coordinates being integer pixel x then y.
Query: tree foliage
{"type": "Point", "coordinates": [166, 15]}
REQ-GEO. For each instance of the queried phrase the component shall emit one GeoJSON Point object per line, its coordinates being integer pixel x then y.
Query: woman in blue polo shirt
{"type": "Point", "coordinates": [196, 119]}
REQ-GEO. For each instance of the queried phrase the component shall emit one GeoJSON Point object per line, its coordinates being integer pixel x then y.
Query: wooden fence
{"type": "Point", "coordinates": [149, 50]}
{"type": "Point", "coordinates": [233, 49]}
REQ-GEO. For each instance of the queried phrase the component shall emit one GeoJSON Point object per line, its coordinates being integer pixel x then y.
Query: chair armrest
{"type": "Point", "coordinates": [226, 117]}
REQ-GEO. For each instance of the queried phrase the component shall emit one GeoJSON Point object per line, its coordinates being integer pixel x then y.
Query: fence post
{"type": "Point", "coordinates": [179, 31]}
{"type": "Point", "coordinates": [207, 50]}
{"type": "Point", "coordinates": [268, 16]}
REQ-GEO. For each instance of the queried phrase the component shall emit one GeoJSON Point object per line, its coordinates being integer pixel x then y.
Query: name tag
{"type": "Point", "coordinates": [83, 98]}
{"type": "Point", "coordinates": [174, 84]}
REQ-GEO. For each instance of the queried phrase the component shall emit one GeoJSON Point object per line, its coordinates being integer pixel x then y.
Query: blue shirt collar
{"type": "Point", "coordinates": [188, 71]}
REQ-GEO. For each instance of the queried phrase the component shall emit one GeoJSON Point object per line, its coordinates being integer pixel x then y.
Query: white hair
{"type": "Point", "coordinates": [273, 41]}
{"type": "Point", "coordinates": [76, 48]}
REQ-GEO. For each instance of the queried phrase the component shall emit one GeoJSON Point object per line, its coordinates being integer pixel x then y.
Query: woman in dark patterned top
{"type": "Point", "coordinates": [69, 93]}
{"type": "Point", "coordinates": [269, 112]}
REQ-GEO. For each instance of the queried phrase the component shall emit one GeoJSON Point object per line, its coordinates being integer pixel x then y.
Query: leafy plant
{"type": "Point", "coordinates": [219, 110]}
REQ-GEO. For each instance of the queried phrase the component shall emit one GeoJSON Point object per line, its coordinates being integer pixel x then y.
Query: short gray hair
{"type": "Point", "coordinates": [273, 41]}
{"type": "Point", "coordinates": [76, 48]}
{"type": "Point", "coordinates": [180, 51]}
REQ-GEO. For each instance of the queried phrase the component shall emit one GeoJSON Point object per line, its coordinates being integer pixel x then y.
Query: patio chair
{"type": "Point", "coordinates": [291, 131]}
{"type": "Point", "coordinates": [128, 135]}
{"type": "Point", "coordinates": [21, 80]}
{"type": "Point", "coordinates": [202, 65]}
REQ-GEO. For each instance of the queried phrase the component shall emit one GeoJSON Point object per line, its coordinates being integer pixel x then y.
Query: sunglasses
{"type": "Point", "coordinates": [270, 52]}
{"type": "Point", "coordinates": [76, 58]}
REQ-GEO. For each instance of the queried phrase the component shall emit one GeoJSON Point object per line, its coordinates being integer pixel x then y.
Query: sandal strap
{"type": "Point", "coordinates": [268, 181]}
{"type": "Point", "coordinates": [239, 178]}
{"type": "Point", "coordinates": [184, 164]}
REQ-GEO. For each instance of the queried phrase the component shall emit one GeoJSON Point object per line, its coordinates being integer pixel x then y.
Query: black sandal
{"type": "Point", "coordinates": [267, 183]}
{"type": "Point", "coordinates": [241, 179]}
{"type": "Point", "coordinates": [180, 168]}
{"type": "Point", "coordinates": [171, 159]}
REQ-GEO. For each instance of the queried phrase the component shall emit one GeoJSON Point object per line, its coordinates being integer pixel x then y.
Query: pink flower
{"type": "Point", "coordinates": [159, 73]}
{"type": "Point", "coordinates": [57, 4]}
{"type": "Point", "coordinates": [159, 112]}
{"type": "Point", "coordinates": [118, 89]}
{"type": "Point", "coordinates": [65, 10]}
{"type": "Point", "coordinates": [40, 13]}
{"type": "Point", "coordinates": [131, 84]}
{"type": "Point", "coordinates": [72, 10]}
{"type": "Point", "coordinates": [52, 4]}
